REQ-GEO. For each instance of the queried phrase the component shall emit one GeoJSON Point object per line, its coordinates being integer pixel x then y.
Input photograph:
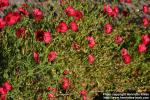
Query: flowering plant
{"type": "Point", "coordinates": [73, 48]}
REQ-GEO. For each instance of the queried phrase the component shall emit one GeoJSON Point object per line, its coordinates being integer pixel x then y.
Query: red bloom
{"type": "Point", "coordinates": [145, 21]}
{"type": "Point", "coordinates": [2, 97]}
{"type": "Point", "coordinates": [37, 14]}
{"type": "Point", "coordinates": [107, 9]}
{"type": "Point", "coordinates": [145, 39]}
{"type": "Point", "coordinates": [20, 32]}
{"type": "Point", "coordinates": [145, 8]}
{"type": "Point", "coordinates": [111, 12]}
{"type": "Point", "coordinates": [124, 52]}
{"type": "Point", "coordinates": [43, 36]}
{"type": "Point", "coordinates": [7, 86]}
{"type": "Point", "coordinates": [75, 46]}
{"type": "Point", "coordinates": [126, 59]}
{"type": "Point", "coordinates": [47, 37]}
{"type": "Point", "coordinates": [2, 23]}
{"type": "Point", "coordinates": [70, 11]}
{"type": "Point", "coordinates": [52, 56]}
{"type": "Point", "coordinates": [128, 1]}
{"type": "Point", "coordinates": [36, 57]}
{"type": "Point", "coordinates": [118, 39]}
{"type": "Point", "coordinates": [73, 26]}
{"type": "Point", "coordinates": [91, 41]}
{"type": "Point", "coordinates": [83, 92]}
{"type": "Point", "coordinates": [116, 9]}
{"type": "Point", "coordinates": [91, 59]}
{"type": "Point", "coordinates": [66, 83]}
{"type": "Point", "coordinates": [125, 56]}
{"type": "Point", "coordinates": [142, 48]}
{"type": "Point", "coordinates": [49, 88]}
{"type": "Point", "coordinates": [3, 91]}
{"type": "Point", "coordinates": [39, 35]}
{"type": "Point", "coordinates": [4, 3]}
{"type": "Point", "coordinates": [23, 11]}
{"type": "Point", "coordinates": [12, 18]}
{"type": "Point", "coordinates": [108, 28]}
{"type": "Point", "coordinates": [78, 15]}
{"type": "Point", "coordinates": [62, 27]}
{"type": "Point", "coordinates": [50, 95]}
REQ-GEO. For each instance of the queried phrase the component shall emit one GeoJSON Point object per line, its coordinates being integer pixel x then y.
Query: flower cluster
{"type": "Point", "coordinates": [4, 89]}
{"type": "Point", "coordinates": [111, 11]}
{"type": "Point", "coordinates": [142, 47]}
{"type": "Point", "coordinates": [4, 3]}
{"type": "Point", "coordinates": [42, 40]}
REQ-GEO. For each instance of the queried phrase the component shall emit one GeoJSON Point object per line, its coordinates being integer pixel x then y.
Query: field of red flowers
{"type": "Point", "coordinates": [73, 49]}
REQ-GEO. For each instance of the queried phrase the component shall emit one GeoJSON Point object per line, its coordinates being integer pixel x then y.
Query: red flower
{"type": "Point", "coordinates": [36, 57]}
{"type": "Point", "coordinates": [78, 15]}
{"type": "Point", "coordinates": [70, 11]}
{"type": "Point", "coordinates": [52, 56]}
{"type": "Point", "coordinates": [7, 86]}
{"type": "Point", "coordinates": [23, 11]}
{"type": "Point", "coordinates": [91, 59]}
{"type": "Point", "coordinates": [124, 52]}
{"type": "Point", "coordinates": [125, 56]}
{"type": "Point", "coordinates": [47, 37]}
{"type": "Point", "coordinates": [39, 35]}
{"type": "Point", "coordinates": [2, 97]}
{"type": "Point", "coordinates": [118, 39]}
{"type": "Point", "coordinates": [145, 39]}
{"type": "Point", "coordinates": [111, 12]}
{"type": "Point", "coordinates": [116, 9]}
{"type": "Point", "coordinates": [142, 48]}
{"type": "Point", "coordinates": [49, 88]}
{"type": "Point", "coordinates": [145, 8]}
{"type": "Point", "coordinates": [62, 27]}
{"type": "Point", "coordinates": [37, 14]}
{"type": "Point", "coordinates": [4, 3]}
{"type": "Point", "coordinates": [91, 41]}
{"type": "Point", "coordinates": [145, 21]}
{"type": "Point", "coordinates": [43, 36]}
{"type": "Point", "coordinates": [66, 83]}
{"type": "Point", "coordinates": [107, 9]}
{"type": "Point", "coordinates": [128, 1]}
{"type": "Point", "coordinates": [126, 59]}
{"type": "Point", "coordinates": [73, 26]}
{"type": "Point", "coordinates": [2, 23]}
{"type": "Point", "coordinates": [50, 95]}
{"type": "Point", "coordinates": [3, 91]}
{"type": "Point", "coordinates": [83, 92]}
{"type": "Point", "coordinates": [12, 18]}
{"type": "Point", "coordinates": [108, 28]}
{"type": "Point", "coordinates": [20, 32]}
{"type": "Point", "coordinates": [75, 46]}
